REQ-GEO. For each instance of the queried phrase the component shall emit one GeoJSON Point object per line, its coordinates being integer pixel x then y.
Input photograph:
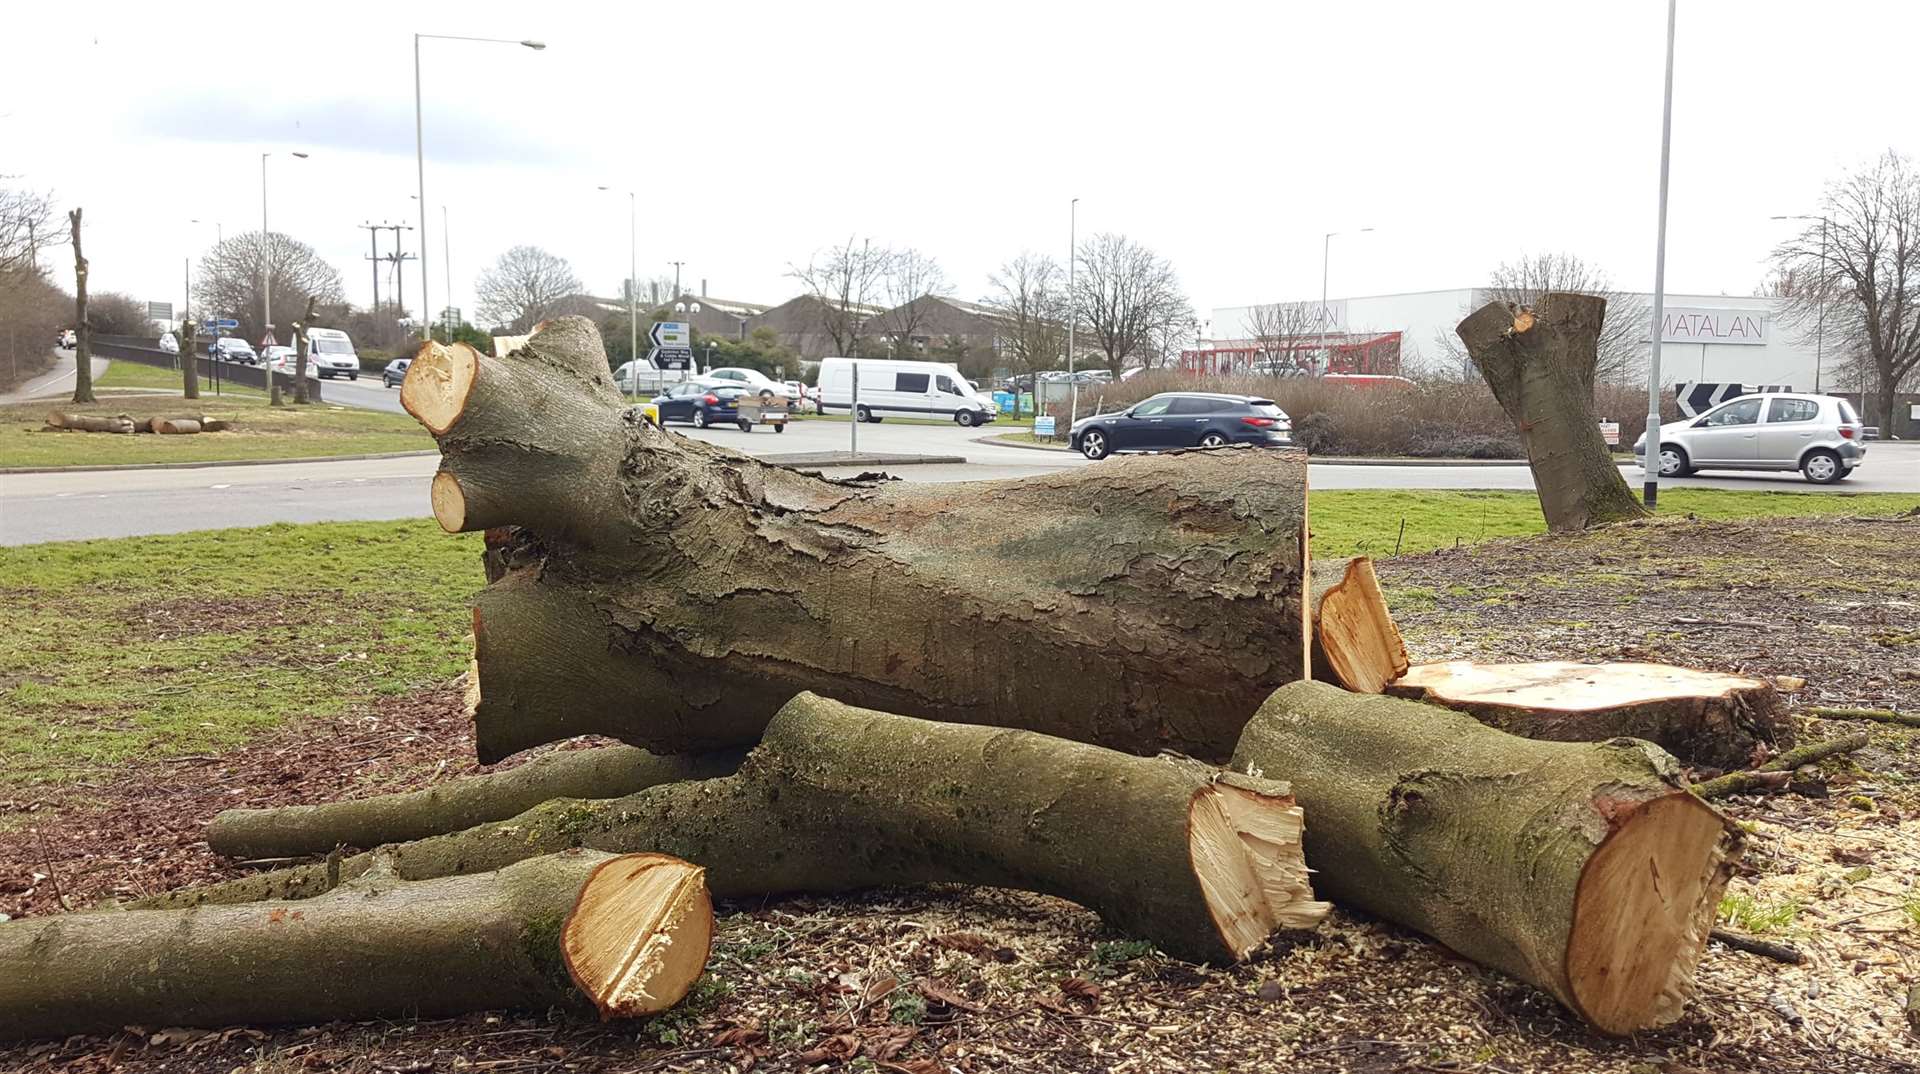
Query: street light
{"type": "Point", "coordinates": [1820, 322]}
{"type": "Point", "coordinates": [633, 287]}
{"type": "Point", "coordinates": [420, 157]}
{"type": "Point", "coordinates": [1326, 313]}
{"type": "Point", "coordinates": [693, 310]}
{"type": "Point", "coordinates": [266, 262]}
{"type": "Point", "coordinates": [1650, 461]}
{"type": "Point", "coordinates": [1073, 316]}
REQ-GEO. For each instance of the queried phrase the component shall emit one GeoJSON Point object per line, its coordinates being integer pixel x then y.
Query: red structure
{"type": "Point", "coordinates": [1377, 355]}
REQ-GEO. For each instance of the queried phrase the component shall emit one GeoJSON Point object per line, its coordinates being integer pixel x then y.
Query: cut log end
{"type": "Point", "coordinates": [449, 502]}
{"type": "Point", "coordinates": [639, 934]}
{"type": "Point", "coordinates": [1244, 843]}
{"type": "Point", "coordinates": [437, 385]}
{"type": "Point", "coordinates": [1357, 636]}
{"type": "Point", "coordinates": [1645, 903]}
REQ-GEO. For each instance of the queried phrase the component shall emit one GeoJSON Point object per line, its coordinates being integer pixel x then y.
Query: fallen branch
{"type": "Point", "coordinates": [630, 933]}
{"type": "Point", "coordinates": [1779, 952]}
{"type": "Point", "coordinates": [1764, 777]}
{"type": "Point", "coordinates": [1903, 719]}
{"type": "Point", "coordinates": [87, 423]}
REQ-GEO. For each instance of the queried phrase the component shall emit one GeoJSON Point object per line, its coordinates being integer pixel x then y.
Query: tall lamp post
{"type": "Point", "coordinates": [1820, 321]}
{"type": "Point", "coordinates": [1650, 490]}
{"type": "Point", "coordinates": [1073, 312]}
{"type": "Point", "coordinates": [266, 250]}
{"type": "Point", "coordinates": [1326, 312]}
{"type": "Point", "coordinates": [420, 157]}
{"type": "Point", "coordinates": [633, 287]}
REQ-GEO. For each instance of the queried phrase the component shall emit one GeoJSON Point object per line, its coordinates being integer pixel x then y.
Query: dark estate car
{"type": "Point", "coordinates": [699, 404]}
{"type": "Point", "coordinates": [1183, 420]}
{"type": "Point", "coordinates": [395, 372]}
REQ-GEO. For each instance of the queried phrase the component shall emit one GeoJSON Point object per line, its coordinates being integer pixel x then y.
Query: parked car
{"type": "Point", "coordinates": [1818, 435]}
{"type": "Point", "coordinates": [902, 389]}
{"type": "Point", "coordinates": [761, 384]}
{"type": "Point", "coordinates": [168, 343]}
{"type": "Point", "coordinates": [395, 372]}
{"type": "Point", "coordinates": [331, 353]}
{"type": "Point", "coordinates": [232, 349]}
{"type": "Point", "coordinates": [700, 404]}
{"type": "Point", "coordinates": [1182, 420]}
{"type": "Point", "coordinates": [641, 378]}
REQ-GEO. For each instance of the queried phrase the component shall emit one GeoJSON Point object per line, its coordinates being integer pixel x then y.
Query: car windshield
{"type": "Point", "coordinates": [332, 346]}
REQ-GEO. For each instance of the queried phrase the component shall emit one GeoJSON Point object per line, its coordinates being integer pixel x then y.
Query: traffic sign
{"type": "Point", "coordinates": [671, 357]}
{"type": "Point", "coordinates": [159, 311]}
{"type": "Point", "coordinates": [224, 324]}
{"type": "Point", "coordinates": [671, 334]}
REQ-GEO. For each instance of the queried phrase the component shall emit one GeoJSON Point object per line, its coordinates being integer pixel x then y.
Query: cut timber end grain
{"type": "Point", "coordinates": [438, 382]}
{"type": "Point", "coordinates": [449, 503]}
{"type": "Point", "coordinates": [1245, 847]}
{"type": "Point", "coordinates": [639, 934]}
{"type": "Point", "coordinates": [1702, 716]}
{"type": "Point", "coordinates": [1354, 635]}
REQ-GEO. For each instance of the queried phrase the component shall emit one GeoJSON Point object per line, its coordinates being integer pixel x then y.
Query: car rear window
{"type": "Point", "coordinates": [1847, 413]}
{"type": "Point", "coordinates": [1266, 408]}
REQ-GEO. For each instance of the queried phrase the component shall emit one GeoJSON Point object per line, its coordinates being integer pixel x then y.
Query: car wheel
{"type": "Point", "coordinates": [1093, 444]}
{"type": "Point", "coordinates": [1674, 462]}
{"type": "Point", "coordinates": [1823, 468]}
{"type": "Point", "coordinates": [1213, 440]}
{"type": "Point", "coordinates": [966, 419]}
{"type": "Point", "coordinates": [745, 426]}
{"type": "Point", "coordinates": [353, 376]}
{"type": "Point", "coordinates": [780, 428]}
{"type": "Point", "coordinates": [699, 418]}
{"type": "Point", "coordinates": [862, 414]}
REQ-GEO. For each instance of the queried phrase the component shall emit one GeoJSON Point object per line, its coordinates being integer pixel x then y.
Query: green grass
{"type": "Point", "coordinates": [1367, 522]}
{"type": "Point", "coordinates": [184, 644]}
{"type": "Point", "coordinates": [135, 375]}
{"type": "Point", "coordinates": [259, 432]}
{"type": "Point", "coordinates": [1757, 918]}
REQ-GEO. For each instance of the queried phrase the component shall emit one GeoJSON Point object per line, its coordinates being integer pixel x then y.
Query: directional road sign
{"type": "Point", "coordinates": [159, 311]}
{"type": "Point", "coordinates": [224, 324]}
{"type": "Point", "coordinates": [672, 345]}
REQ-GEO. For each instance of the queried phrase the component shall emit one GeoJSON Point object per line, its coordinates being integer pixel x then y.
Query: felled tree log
{"type": "Point", "coordinates": [186, 423]}
{"type": "Point", "coordinates": [88, 423]}
{"type": "Point", "coordinates": [605, 772]}
{"type": "Point", "coordinates": [1583, 868]}
{"type": "Point", "coordinates": [1540, 362]}
{"type": "Point", "coordinates": [630, 934]}
{"type": "Point", "coordinates": [1702, 716]}
{"type": "Point", "coordinates": [674, 595]}
{"type": "Point", "coordinates": [1355, 640]}
{"type": "Point", "coordinates": [176, 425]}
{"type": "Point", "coordinates": [1204, 863]}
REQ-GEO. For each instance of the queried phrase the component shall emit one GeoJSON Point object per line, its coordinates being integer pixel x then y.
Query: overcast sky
{"type": "Point", "coordinates": [1229, 137]}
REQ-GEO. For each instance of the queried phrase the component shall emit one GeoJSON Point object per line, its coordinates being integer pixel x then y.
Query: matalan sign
{"type": "Point", "coordinates": [1684, 324]}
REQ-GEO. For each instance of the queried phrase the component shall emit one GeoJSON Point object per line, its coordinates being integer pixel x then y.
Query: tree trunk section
{"type": "Point", "coordinates": [604, 772]}
{"type": "Point", "coordinates": [674, 595]}
{"type": "Point", "coordinates": [1204, 864]}
{"type": "Point", "coordinates": [630, 934]}
{"type": "Point", "coordinates": [300, 347]}
{"type": "Point", "coordinates": [176, 426]}
{"type": "Point", "coordinates": [1540, 364]}
{"type": "Point", "coordinates": [82, 330]}
{"type": "Point", "coordinates": [189, 356]}
{"type": "Point", "coordinates": [1583, 868]}
{"type": "Point", "coordinates": [1701, 716]}
{"type": "Point", "coordinates": [88, 423]}
{"type": "Point", "coordinates": [1356, 643]}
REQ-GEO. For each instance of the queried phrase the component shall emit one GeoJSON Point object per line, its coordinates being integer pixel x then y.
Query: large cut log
{"type": "Point", "coordinates": [629, 934]}
{"type": "Point", "coordinates": [605, 772]}
{"type": "Point", "coordinates": [1584, 868]}
{"type": "Point", "coordinates": [674, 595]}
{"type": "Point", "coordinates": [1702, 716]}
{"type": "Point", "coordinates": [1355, 640]}
{"type": "Point", "coordinates": [1540, 363]}
{"type": "Point", "coordinates": [176, 425]}
{"type": "Point", "coordinates": [88, 423]}
{"type": "Point", "coordinates": [1204, 863]}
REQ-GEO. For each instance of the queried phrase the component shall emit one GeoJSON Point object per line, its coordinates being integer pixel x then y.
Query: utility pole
{"type": "Point", "coordinates": [1073, 313]}
{"type": "Point", "coordinates": [1650, 489]}
{"type": "Point", "coordinates": [373, 238]}
{"type": "Point", "coordinates": [676, 278]}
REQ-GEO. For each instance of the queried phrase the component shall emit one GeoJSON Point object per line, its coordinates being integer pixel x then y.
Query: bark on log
{"type": "Point", "coordinates": [631, 934]}
{"type": "Point", "coordinates": [153, 424]}
{"type": "Point", "coordinates": [176, 425]}
{"type": "Point", "coordinates": [674, 594]}
{"type": "Point", "coordinates": [88, 423]}
{"type": "Point", "coordinates": [1540, 364]}
{"type": "Point", "coordinates": [1204, 863]}
{"type": "Point", "coordinates": [1583, 868]}
{"type": "Point", "coordinates": [1356, 643]}
{"type": "Point", "coordinates": [1701, 716]}
{"type": "Point", "coordinates": [605, 772]}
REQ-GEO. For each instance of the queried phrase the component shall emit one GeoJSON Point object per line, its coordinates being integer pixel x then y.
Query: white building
{"type": "Point", "coordinates": [1708, 337]}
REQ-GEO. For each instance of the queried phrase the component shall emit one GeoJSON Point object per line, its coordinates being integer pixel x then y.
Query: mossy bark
{"type": "Point", "coordinates": [1583, 868]}
{"type": "Point", "coordinates": [603, 772]}
{"type": "Point", "coordinates": [377, 947]}
{"type": "Point", "coordinates": [674, 595]}
{"type": "Point", "coordinates": [837, 798]}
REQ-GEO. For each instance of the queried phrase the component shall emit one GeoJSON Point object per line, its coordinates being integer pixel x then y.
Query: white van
{"type": "Point", "coordinates": [330, 353]}
{"type": "Point", "coordinates": [890, 388]}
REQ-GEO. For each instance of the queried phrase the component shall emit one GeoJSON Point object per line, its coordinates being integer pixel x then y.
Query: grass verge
{"type": "Point", "coordinates": [259, 432]}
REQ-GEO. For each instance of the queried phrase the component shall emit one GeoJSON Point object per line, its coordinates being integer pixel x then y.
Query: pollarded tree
{"type": "Point", "coordinates": [1620, 350]}
{"type": "Point", "coordinates": [1127, 296]}
{"type": "Point", "coordinates": [525, 286]}
{"type": "Point", "coordinates": [229, 278]}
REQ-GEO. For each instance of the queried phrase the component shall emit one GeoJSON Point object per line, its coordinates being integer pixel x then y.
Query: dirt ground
{"type": "Point", "coordinates": [973, 980]}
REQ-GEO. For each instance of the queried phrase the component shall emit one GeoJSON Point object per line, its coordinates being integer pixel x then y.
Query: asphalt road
{"type": "Point", "coordinates": [122, 503]}
{"type": "Point", "coordinates": [55, 381]}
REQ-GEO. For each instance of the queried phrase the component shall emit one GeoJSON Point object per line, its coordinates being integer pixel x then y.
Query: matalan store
{"type": "Point", "coordinates": [1715, 338]}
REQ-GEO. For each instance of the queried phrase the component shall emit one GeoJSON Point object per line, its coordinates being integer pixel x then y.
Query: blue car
{"type": "Point", "coordinates": [1183, 420]}
{"type": "Point", "coordinates": [702, 405]}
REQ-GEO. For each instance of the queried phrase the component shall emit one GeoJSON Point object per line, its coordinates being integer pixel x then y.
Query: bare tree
{"type": "Point", "coordinates": [525, 286]}
{"type": "Point", "coordinates": [1126, 295]}
{"type": "Point", "coordinates": [1287, 333]}
{"type": "Point", "coordinates": [1530, 278]}
{"type": "Point", "coordinates": [1029, 294]}
{"type": "Point", "coordinates": [32, 309]}
{"type": "Point", "coordinates": [27, 226]}
{"type": "Point", "coordinates": [1866, 276]}
{"type": "Point", "coordinates": [844, 284]}
{"type": "Point", "coordinates": [911, 280]}
{"type": "Point", "coordinates": [116, 313]}
{"type": "Point", "coordinates": [228, 281]}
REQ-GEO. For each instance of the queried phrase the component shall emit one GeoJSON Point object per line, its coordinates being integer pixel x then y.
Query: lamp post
{"type": "Point", "coordinates": [1650, 490]}
{"type": "Point", "coordinates": [1073, 310]}
{"type": "Point", "coordinates": [420, 157]}
{"type": "Point", "coordinates": [266, 261]}
{"type": "Point", "coordinates": [1326, 312]}
{"type": "Point", "coordinates": [633, 285]}
{"type": "Point", "coordinates": [683, 309]}
{"type": "Point", "coordinates": [1820, 321]}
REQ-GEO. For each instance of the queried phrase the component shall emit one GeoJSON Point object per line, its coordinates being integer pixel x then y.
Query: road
{"type": "Point", "coordinates": [122, 503]}
{"type": "Point", "coordinates": [56, 381]}
{"type": "Point", "coordinates": [365, 393]}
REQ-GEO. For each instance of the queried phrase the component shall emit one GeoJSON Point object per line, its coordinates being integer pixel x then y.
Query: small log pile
{"type": "Point", "coordinates": [125, 424]}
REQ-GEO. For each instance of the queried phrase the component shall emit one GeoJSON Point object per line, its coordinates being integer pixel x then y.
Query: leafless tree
{"type": "Point", "coordinates": [227, 283]}
{"type": "Point", "coordinates": [910, 281]}
{"type": "Point", "coordinates": [32, 309]}
{"type": "Point", "coordinates": [28, 224]}
{"type": "Point", "coordinates": [525, 286]}
{"type": "Point", "coordinates": [1127, 296]}
{"type": "Point", "coordinates": [1029, 294]}
{"type": "Point", "coordinates": [1526, 280]}
{"type": "Point", "coordinates": [1866, 276]}
{"type": "Point", "coordinates": [116, 313]}
{"type": "Point", "coordinates": [1288, 333]}
{"type": "Point", "coordinates": [844, 284]}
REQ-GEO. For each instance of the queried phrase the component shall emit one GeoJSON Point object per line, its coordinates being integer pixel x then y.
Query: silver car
{"type": "Point", "coordinates": [1818, 435]}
